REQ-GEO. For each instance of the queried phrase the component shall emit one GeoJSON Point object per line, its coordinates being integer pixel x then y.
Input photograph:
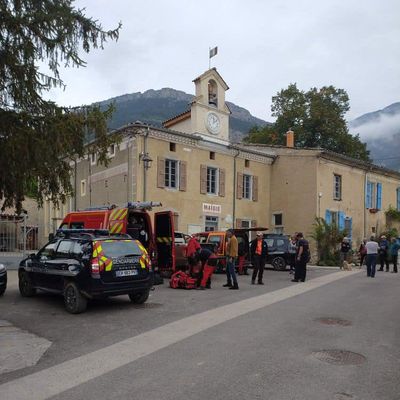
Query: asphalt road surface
{"type": "Point", "coordinates": [336, 336]}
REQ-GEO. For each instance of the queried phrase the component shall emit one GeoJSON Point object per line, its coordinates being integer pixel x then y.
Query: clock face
{"type": "Point", "coordinates": [213, 123]}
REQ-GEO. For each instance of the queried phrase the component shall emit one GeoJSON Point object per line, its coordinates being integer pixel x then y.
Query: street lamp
{"type": "Point", "coordinates": [146, 159]}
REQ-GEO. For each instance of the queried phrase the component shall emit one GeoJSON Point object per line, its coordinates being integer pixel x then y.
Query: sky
{"type": "Point", "coordinates": [263, 46]}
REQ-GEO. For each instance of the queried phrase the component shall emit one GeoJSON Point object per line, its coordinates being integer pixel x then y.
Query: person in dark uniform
{"type": "Point", "coordinates": [259, 253]}
{"type": "Point", "coordinates": [383, 253]}
{"type": "Point", "coordinates": [302, 258]}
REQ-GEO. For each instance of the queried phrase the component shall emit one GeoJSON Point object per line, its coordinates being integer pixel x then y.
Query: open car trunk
{"type": "Point", "coordinates": [164, 241]}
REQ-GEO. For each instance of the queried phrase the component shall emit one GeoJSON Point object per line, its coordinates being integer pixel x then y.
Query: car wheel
{"type": "Point", "coordinates": [279, 263]}
{"type": "Point", "coordinates": [25, 285]}
{"type": "Point", "coordinates": [74, 302]}
{"type": "Point", "coordinates": [139, 298]}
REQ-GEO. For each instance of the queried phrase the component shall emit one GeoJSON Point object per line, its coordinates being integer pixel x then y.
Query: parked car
{"type": "Point", "coordinates": [181, 240]}
{"type": "Point", "coordinates": [3, 279]}
{"type": "Point", "coordinates": [278, 250]}
{"type": "Point", "coordinates": [86, 264]}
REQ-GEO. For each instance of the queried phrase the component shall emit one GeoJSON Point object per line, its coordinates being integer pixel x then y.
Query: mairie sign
{"type": "Point", "coordinates": [212, 208]}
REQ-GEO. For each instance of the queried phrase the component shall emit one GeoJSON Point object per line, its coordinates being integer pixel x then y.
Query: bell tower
{"type": "Point", "coordinates": [209, 112]}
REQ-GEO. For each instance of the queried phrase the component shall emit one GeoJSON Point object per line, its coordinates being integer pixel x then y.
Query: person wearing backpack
{"type": "Point", "coordinates": [302, 258]}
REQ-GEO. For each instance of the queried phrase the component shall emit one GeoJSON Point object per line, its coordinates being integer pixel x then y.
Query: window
{"type": "Point", "coordinates": [334, 218]}
{"type": "Point", "coordinates": [247, 187]}
{"type": "Point", "coordinates": [111, 151]}
{"type": "Point", "coordinates": [212, 155]}
{"type": "Point", "coordinates": [171, 174]}
{"type": "Point", "coordinates": [172, 146]}
{"type": "Point", "coordinates": [64, 248]}
{"type": "Point", "coordinates": [211, 224]}
{"type": "Point", "coordinates": [278, 220]}
{"type": "Point", "coordinates": [47, 252]}
{"type": "Point", "coordinates": [212, 177]}
{"type": "Point", "coordinates": [83, 187]}
{"type": "Point", "coordinates": [398, 198]}
{"type": "Point", "coordinates": [247, 163]}
{"type": "Point", "coordinates": [373, 195]}
{"type": "Point", "coordinates": [337, 187]}
{"type": "Point", "coordinates": [93, 159]}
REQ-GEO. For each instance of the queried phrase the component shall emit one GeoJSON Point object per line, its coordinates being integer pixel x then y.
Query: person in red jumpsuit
{"type": "Point", "coordinates": [208, 269]}
{"type": "Point", "coordinates": [192, 252]}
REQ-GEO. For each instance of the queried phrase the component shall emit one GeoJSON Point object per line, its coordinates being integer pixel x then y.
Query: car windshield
{"type": "Point", "coordinates": [120, 248]}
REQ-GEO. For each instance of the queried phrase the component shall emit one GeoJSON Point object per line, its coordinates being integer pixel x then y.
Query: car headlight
{"type": "Point", "coordinates": [2, 267]}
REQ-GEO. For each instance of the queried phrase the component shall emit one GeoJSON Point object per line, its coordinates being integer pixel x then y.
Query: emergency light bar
{"type": "Point", "coordinates": [144, 205]}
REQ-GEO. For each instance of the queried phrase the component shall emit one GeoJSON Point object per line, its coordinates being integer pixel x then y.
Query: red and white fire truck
{"type": "Point", "coordinates": [135, 220]}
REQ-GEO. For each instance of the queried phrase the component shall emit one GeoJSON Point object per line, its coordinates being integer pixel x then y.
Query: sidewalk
{"type": "Point", "coordinates": [11, 260]}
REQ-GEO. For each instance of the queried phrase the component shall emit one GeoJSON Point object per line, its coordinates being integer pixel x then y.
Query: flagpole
{"type": "Point", "coordinates": [209, 58]}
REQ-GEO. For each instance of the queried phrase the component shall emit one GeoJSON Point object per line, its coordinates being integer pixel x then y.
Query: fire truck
{"type": "Point", "coordinates": [134, 219]}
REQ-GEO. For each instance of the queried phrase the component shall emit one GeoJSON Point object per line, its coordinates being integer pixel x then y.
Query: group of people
{"type": "Point", "coordinates": [382, 251]}
{"type": "Point", "coordinates": [202, 261]}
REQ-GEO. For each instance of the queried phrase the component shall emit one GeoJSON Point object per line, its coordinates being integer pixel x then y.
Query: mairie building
{"type": "Point", "coordinates": [209, 183]}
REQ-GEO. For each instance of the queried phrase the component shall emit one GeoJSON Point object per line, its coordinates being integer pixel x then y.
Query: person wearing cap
{"type": "Point", "coordinates": [231, 256]}
{"type": "Point", "coordinates": [383, 253]}
{"type": "Point", "coordinates": [259, 253]}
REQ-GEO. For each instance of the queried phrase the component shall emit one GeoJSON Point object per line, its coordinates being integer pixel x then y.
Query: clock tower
{"type": "Point", "coordinates": [208, 114]}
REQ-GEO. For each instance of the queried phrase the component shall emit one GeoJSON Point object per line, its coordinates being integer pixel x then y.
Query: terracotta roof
{"type": "Point", "coordinates": [177, 118]}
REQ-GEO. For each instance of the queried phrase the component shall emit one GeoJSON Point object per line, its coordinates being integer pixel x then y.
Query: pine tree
{"type": "Point", "coordinates": [38, 138]}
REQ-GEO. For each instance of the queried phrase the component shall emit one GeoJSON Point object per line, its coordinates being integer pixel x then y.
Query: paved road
{"type": "Point", "coordinates": [256, 343]}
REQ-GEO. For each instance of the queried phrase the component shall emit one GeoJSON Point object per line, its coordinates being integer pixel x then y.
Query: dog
{"type": "Point", "coordinates": [348, 266]}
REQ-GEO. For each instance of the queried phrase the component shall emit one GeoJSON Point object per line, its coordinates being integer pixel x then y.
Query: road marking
{"type": "Point", "coordinates": [54, 380]}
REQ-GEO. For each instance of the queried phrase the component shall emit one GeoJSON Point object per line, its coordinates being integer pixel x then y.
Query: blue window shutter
{"type": "Point", "coordinates": [398, 198]}
{"type": "Point", "coordinates": [328, 217]}
{"type": "Point", "coordinates": [368, 195]}
{"type": "Point", "coordinates": [350, 227]}
{"type": "Point", "coordinates": [341, 220]}
{"type": "Point", "coordinates": [379, 196]}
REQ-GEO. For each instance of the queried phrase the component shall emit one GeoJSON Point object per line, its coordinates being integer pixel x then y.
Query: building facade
{"type": "Point", "coordinates": [190, 166]}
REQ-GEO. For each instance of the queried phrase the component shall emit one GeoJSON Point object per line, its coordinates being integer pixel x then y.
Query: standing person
{"type": "Point", "coordinates": [372, 256]}
{"type": "Point", "coordinates": [302, 258]}
{"type": "Point", "coordinates": [292, 250]}
{"type": "Point", "coordinates": [362, 251]}
{"type": "Point", "coordinates": [208, 269]}
{"type": "Point", "coordinates": [192, 251]}
{"type": "Point", "coordinates": [394, 251]}
{"type": "Point", "coordinates": [259, 253]}
{"type": "Point", "coordinates": [345, 248]}
{"type": "Point", "coordinates": [231, 255]}
{"type": "Point", "coordinates": [383, 253]}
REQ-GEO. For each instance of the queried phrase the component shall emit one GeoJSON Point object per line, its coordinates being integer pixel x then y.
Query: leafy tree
{"type": "Point", "coordinates": [38, 138]}
{"type": "Point", "coordinates": [317, 118]}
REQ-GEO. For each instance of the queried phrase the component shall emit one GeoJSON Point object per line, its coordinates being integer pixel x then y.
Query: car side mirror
{"type": "Point", "coordinates": [32, 255]}
{"type": "Point", "coordinates": [51, 236]}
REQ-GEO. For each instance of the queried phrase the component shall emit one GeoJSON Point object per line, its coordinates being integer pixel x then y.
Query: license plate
{"type": "Point", "coordinates": [127, 272]}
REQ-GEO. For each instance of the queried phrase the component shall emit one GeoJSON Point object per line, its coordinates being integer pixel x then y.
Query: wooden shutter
{"type": "Point", "coordinates": [253, 223]}
{"type": "Point", "coordinates": [239, 185]}
{"type": "Point", "coordinates": [203, 179]}
{"type": "Point", "coordinates": [182, 176]}
{"type": "Point", "coordinates": [255, 188]}
{"type": "Point", "coordinates": [238, 223]}
{"type": "Point", "coordinates": [221, 182]}
{"type": "Point", "coordinates": [160, 172]}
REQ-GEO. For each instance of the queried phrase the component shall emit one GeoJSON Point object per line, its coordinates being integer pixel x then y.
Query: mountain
{"type": "Point", "coordinates": [155, 106]}
{"type": "Point", "coordinates": [381, 131]}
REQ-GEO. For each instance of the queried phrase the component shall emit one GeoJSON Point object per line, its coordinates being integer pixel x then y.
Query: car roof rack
{"type": "Point", "coordinates": [81, 232]}
{"type": "Point", "coordinates": [91, 234]}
